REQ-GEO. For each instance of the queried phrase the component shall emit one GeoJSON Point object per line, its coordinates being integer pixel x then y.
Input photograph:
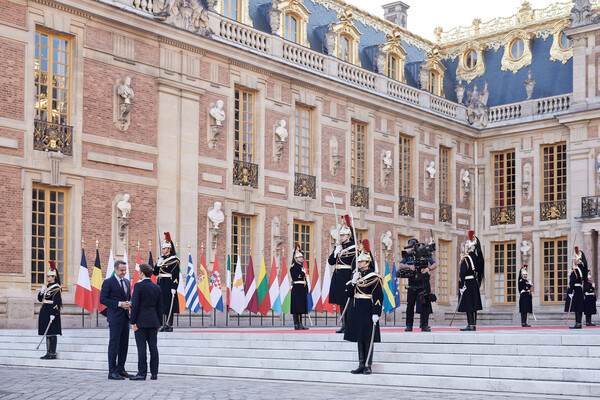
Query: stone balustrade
{"type": "Point", "coordinates": [254, 40]}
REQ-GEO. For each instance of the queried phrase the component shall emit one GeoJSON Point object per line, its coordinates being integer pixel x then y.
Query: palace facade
{"type": "Point", "coordinates": [285, 113]}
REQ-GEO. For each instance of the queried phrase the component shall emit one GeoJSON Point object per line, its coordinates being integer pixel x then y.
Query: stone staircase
{"type": "Point", "coordinates": [541, 361]}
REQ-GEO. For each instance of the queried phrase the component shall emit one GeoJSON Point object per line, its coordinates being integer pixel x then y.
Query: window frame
{"type": "Point", "coordinates": [50, 87]}
{"type": "Point", "coordinates": [36, 262]}
{"type": "Point", "coordinates": [405, 179]}
{"type": "Point", "coordinates": [240, 134]}
{"type": "Point", "coordinates": [553, 174]}
{"type": "Point", "coordinates": [444, 175]}
{"type": "Point", "coordinates": [522, 49]}
{"type": "Point", "coordinates": [299, 238]}
{"type": "Point", "coordinates": [443, 280]}
{"type": "Point", "coordinates": [238, 249]}
{"type": "Point", "coordinates": [558, 280]}
{"type": "Point", "coordinates": [474, 57]}
{"type": "Point", "coordinates": [504, 166]}
{"type": "Point", "coordinates": [226, 9]}
{"type": "Point", "coordinates": [287, 17]}
{"type": "Point", "coordinates": [299, 140]}
{"type": "Point", "coordinates": [345, 56]}
{"type": "Point", "coordinates": [505, 256]}
{"type": "Point", "coordinates": [358, 166]}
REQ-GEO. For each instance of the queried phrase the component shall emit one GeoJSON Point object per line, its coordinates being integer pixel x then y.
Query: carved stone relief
{"type": "Point", "coordinates": [123, 96]}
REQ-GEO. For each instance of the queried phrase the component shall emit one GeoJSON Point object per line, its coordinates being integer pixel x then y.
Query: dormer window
{"type": "Point", "coordinates": [517, 49]}
{"type": "Point", "coordinates": [565, 42]}
{"type": "Point", "coordinates": [236, 10]}
{"type": "Point", "coordinates": [470, 60]}
{"type": "Point", "coordinates": [290, 28]}
{"type": "Point", "coordinates": [392, 67]}
{"type": "Point", "coordinates": [394, 56]}
{"type": "Point", "coordinates": [289, 19]}
{"type": "Point", "coordinates": [345, 48]}
{"type": "Point", "coordinates": [343, 38]}
{"type": "Point", "coordinates": [231, 9]}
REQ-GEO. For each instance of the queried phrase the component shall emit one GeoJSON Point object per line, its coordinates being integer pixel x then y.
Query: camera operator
{"type": "Point", "coordinates": [419, 286]}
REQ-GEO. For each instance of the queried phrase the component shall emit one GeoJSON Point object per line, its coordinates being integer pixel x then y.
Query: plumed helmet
{"type": "Point", "coordinates": [365, 255]}
{"type": "Point", "coordinates": [523, 272]}
{"type": "Point", "coordinates": [167, 243]}
{"type": "Point", "coordinates": [298, 252]}
{"type": "Point", "coordinates": [53, 271]}
{"type": "Point", "coordinates": [346, 226]}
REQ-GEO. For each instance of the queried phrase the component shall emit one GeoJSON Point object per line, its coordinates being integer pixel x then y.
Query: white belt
{"type": "Point", "coordinates": [589, 294]}
{"type": "Point", "coordinates": [577, 284]}
{"type": "Point", "coordinates": [523, 291]}
{"type": "Point", "coordinates": [165, 275]}
{"type": "Point", "coordinates": [362, 296]}
{"type": "Point", "coordinates": [299, 282]}
{"type": "Point", "coordinates": [48, 302]}
{"type": "Point", "coordinates": [343, 267]}
{"type": "Point", "coordinates": [469, 277]}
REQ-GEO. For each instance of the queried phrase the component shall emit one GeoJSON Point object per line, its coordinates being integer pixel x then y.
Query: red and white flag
{"type": "Point", "coordinates": [327, 306]}
{"type": "Point", "coordinates": [315, 289]}
{"type": "Point", "coordinates": [83, 291]}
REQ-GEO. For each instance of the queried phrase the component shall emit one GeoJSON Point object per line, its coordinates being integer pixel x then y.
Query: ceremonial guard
{"type": "Point", "coordinates": [525, 301]}
{"type": "Point", "coordinates": [589, 290]}
{"type": "Point", "coordinates": [470, 277]}
{"type": "Point", "coordinates": [365, 291]}
{"type": "Point", "coordinates": [299, 298]}
{"type": "Point", "coordinates": [574, 301]}
{"type": "Point", "coordinates": [167, 271]}
{"type": "Point", "coordinates": [342, 259]}
{"type": "Point", "coordinates": [49, 319]}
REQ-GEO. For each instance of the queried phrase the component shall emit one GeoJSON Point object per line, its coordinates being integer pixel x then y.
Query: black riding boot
{"type": "Point", "coordinates": [343, 328]}
{"type": "Point", "coordinates": [169, 327]}
{"type": "Point", "coordinates": [52, 340]}
{"type": "Point", "coordinates": [361, 359]}
{"type": "Point", "coordinates": [296, 324]}
{"type": "Point", "coordinates": [164, 327]}
{"type": "Point", "coordinates": [471, 318]}
{"type": "Point", "coordinates": [369, 362]}
{"type": "Point", "coordinates": [577, 320]}
{"type": "Point", "coordinates": [47, 355]}
{"type": "Point", "coordinates": [524, 323]}
{"type": "Point", "coordinates": [588, 320]}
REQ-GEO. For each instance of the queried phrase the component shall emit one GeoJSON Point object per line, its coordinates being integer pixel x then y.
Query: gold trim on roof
{"type": "Point", "coordinates": [508, 62]}
{"type": "Point", "coordinates": [462, 72]}
{"type": "Point", "coordinates": [557, 52]}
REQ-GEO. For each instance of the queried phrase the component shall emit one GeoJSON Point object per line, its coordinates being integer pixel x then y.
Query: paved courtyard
{"type": "Point", "coordinates": [42, 383]}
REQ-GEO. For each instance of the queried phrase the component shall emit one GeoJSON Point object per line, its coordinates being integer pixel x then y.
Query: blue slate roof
{"type": "Point", "coordinates": [552, 77]}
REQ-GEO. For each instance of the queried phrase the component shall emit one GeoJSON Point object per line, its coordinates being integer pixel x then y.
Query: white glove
{"type": "Point", "coordinates": [355, 277]}
{"type": "Point", "coordinates": [173, 291]}
{"type": "Point", "coordinates": [375, 318]}
{"type": "Point", "coordinates": [52, 317]}
{"type": "Point", "coordinates": [529, 283]}
{"type": "Point", "coordinates": [571, 295]}
{"type": "Point", "coordinates": [337, 250]}
{"type": "Point", "coordinates": [462, 290]}
{"type": "Point", "coordinates": [43, 289]}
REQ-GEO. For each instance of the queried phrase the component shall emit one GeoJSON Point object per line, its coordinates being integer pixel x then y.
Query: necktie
{"type": "Point", "coordinates": [123, 287]}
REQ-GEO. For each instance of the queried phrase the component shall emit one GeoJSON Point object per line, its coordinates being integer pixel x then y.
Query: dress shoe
{"type": "Point", "coordinates": [341, 330]}
{"type": "Point", "coordinates": [153, 377]}
{"type": "Point", "coordinates": [359, 370]}
{"type": "Point", "coordinates": [367, 370]}
{"type": "Point", "coordinates": [125, 374]}
{"type": "Point", "coordinates": [138, 378]}
{"type": "Point", "coordinates": [51, 357]}
{"type": "Point", "coordinates": [469, 328]}
{"type": "Point", "coordinates": [425, 328]}
{"type": "Point", "coordinates": [115, 376]}
{"type": "Point", "coordinates": [303, 327]}
{"type": "Point", "coordinates": [45, 357]}
{"type": "Point", "coordinates": [169, 328]}
{"type": "Point", "coordinates": [297, 327]}
{"type": "Point", "coordinates": [163, 328]}
{"type": "Point", "coordinates": [408, 328]}
{"type": "Point", "coordinates": [576, 326]}
{"type": "Point", "coordinates": [526, 325]}
{"type": "Point", "coordinates": [590, 324]}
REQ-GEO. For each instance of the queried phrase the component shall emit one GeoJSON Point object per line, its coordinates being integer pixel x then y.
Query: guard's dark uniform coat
{"type": "Point", "coordinates": [575, 287]}
{"type": "Point", "coordinates": [366, 299]}
{"type": "Point", "coordinates": [471, 298]}
{"type": "Point", "coordinates": [299, 290]}
{"type": "Point", "coordinates": [52, 303]}
{"type": "Point", "coordinates": [590, 299]}
{"type": "Point", "coordinates": [168, 265]}
{"type": "Point", "coordinates": [525, 301]}
{"type": "Point", "coordinates": [343, 265]}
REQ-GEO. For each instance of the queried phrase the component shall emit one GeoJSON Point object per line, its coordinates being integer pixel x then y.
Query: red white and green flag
{"type": "Point", "coordinates": [284, 289]}
{"type": "Point", "coordinates": [274, 289]}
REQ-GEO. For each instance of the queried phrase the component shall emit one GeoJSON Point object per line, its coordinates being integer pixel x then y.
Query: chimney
{"type": "Point", "coordinates": [396, 12]}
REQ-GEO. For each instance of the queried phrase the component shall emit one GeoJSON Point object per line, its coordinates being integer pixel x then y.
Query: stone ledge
{"type": "Point", "coordinates": [120, 161]}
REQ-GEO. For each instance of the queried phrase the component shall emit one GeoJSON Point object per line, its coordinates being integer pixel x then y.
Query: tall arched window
{"type": "Point", "coordinates": [345, 48]}
{"type": "Point", "coordinates": [291, 28]}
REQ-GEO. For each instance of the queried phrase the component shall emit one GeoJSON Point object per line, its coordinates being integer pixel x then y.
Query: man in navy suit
{"type": "Point", "coordinates": [146, 313]}
{"type": "Point", "coordinates": [115, 295]}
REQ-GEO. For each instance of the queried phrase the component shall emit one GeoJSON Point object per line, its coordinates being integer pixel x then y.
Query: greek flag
{"type": "Point", "coordinates": [191, 289]}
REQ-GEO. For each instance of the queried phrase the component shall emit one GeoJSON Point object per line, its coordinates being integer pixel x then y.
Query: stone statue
{"type": "Point", "coordinates": [581, 13]}
{"type": "Point", "coordinates": [466, 180]}
{"type": "Point", "coordinates": [218, 113]}
{"type": "Point", "coordinates": [216, 215]}
{"type": "Point", "coordinates": [460, 91]}
{"type": "Point", "coordinates": [162, 8]}
{"type": "Point", "coordinates": [125, 91]}
{"type": "Point", "coordinates": [386, 239]}
{"type": "Point", "coordinates": [525, 248]}
{"type": "Point", "coordinates": [274, 17]}
{"type": "Point", "coordinates": [529, 84]}
{"type": "Point", "coordinates": [387, 159]}
{"type": "Point", "coordinates": [124, 206]}
{"type": "Point", "coordinates": [280, 131]}
{"type": "Point", "coordinates": [477, 110]}
{"type": "Point", "coordinates": [431, 169]}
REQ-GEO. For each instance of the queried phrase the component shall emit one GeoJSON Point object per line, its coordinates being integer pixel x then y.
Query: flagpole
{"type": "Point", "coordinates": [92, 277]}
{"type": "Point", "coordinates": [82, 312]}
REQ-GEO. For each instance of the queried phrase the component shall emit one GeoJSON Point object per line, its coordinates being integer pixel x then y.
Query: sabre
{"type": "Point", "coordinates": [344, 311]}
{"type": "Point", "coordinates": [171, 308]}
{"type": "Point", "coordinates": [337, 240]}
{"type": "Point", "coordinates": [371, 344]}
{"type": "Point", "coordinates": [45, 333]}
{"type": "Point", "coordinates": [534, 317]}
{"type": "Point", "coordinates": [355, 261]}
{"type": "Point", "coordinates": [458, 305]}
{"type": "Point", "coordinates": [570, 305]}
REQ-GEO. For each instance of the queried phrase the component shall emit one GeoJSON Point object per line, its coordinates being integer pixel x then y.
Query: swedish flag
{"type": "Point", "coordinates": [389, 303]}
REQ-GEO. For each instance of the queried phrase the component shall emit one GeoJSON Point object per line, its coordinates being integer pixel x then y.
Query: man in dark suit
{"type": "Point", "coordinates": [115, 295]}
{"type": "Point", "coordinates": [146, 313]}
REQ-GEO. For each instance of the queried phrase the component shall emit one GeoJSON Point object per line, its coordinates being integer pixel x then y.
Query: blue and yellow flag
{"type": "Point", "coordinates": [395, 288]}
{"type": "Point", "coordinates": [388, 295]}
